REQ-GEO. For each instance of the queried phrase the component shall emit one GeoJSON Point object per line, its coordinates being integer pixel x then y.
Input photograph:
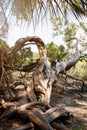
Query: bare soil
{"type": "Point", "coordinates": [72, 102]}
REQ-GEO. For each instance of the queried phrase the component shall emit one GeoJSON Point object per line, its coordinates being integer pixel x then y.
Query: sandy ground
{"type": "Point", "coordinates": [72, 102]}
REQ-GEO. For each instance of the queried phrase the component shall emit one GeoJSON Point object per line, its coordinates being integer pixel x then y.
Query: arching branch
{"type": "Point", "coordinates": [20, 43]}
{"type": "Point", "coordinates": [64, 66]}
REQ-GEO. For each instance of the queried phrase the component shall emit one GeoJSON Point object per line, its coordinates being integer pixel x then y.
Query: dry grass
{"type": "Point", "coordinates": [80, 70]}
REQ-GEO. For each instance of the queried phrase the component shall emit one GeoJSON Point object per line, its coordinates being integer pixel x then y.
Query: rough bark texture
{"type": "Point", "coordinates": [44, 70]}
{"type": "Point", "coordinates": [37, 90]}
{"type": "Point", "coordinates": [33, 113]}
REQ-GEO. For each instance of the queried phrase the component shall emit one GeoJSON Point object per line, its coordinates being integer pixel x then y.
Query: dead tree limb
{"type": "Point", "coordinates": [45, 72]}
{"type": "Point", "coordinates": [77, 79]}
{"type": "Point", "coordinates": [58, 126]}
{"type": "Point", "coordinates": [36, 117]}
{"type": "Point", "coordinates": [61, 67]}
{"type": "Point", "coordinates": [28, 126]}
{"type": "Point", "coordinates": [27, 41]}
{"type": "Point", "coordinates": [14, 107]}
{"type": "Point", "coordinates": [52, 113]}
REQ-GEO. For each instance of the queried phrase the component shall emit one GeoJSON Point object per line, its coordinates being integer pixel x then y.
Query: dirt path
{"type": "Point", "coordinates": [72, 102]}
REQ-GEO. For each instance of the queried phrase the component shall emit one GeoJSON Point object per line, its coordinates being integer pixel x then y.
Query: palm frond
{"type": "Point", "coordinates": [35, 10]}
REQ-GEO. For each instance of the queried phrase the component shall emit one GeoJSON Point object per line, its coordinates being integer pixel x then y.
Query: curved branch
{"type": "Point", "coordinates": [36, 117]}
{"type": "Point", "coordinates": [27, 41]}
{"type": "Point", "coordinates": [64, 66]}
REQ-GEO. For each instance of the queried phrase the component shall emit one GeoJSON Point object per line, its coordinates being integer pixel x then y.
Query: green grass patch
{"type": "Point", "coordinates": [80, 70]}
{"type": "Point", "coordinates": [78, 126]}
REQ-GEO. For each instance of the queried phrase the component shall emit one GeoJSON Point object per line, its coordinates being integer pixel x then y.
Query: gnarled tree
{"type": "Point", "coordinates": [37, 92]}
{"type": "Point", "coordinates": [45, 71]}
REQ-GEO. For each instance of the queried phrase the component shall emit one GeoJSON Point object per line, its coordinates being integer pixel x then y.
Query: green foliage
{"type": "Point", "coordinates": [22, 57]}
{"type": "Point", "coordinates": [35, 56]}
{"type": "Point", "coordinates": [25, 55]}
{"type": "Point", "coordinates": [54, 52]}
{"type": "Point", "coordinates": [57, 26]}
{"type": "Point", "coordinates": [83, 26]}
{"type": "Point", "coordinates": [3, 45]}
{"type": "Point", "coordinates": [78, 127]}
{"type": "Point", "coordinates": [83, 36]}
{"type": "Point", "coordinates": [70, 32]}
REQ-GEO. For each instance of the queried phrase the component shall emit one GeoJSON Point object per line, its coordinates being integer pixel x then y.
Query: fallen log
{"type": "Point", "coordinates": [28, 126]}
{"type": "Point", "coordinates": [32, 105]}
{"type": "Point", "coordinates": [5, 105]}
{"type": "Point", "coordinates": [58, 126]}
{"type": "Point", "coordinates": [9, 112]}
{"type": "Point", "coordinates": [44, 120]}
{"type": "Point", "coordinates": [37, 118]}
{"type": "Point", "coordinates": [51, 114]}
{"type": "Point", "coordinates": [39, 114]}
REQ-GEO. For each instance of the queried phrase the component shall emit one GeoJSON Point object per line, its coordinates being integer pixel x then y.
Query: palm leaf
{"type": "Point", "coordinates": [35, 10]}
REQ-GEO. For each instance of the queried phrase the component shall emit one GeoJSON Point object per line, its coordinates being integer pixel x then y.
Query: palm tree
{"type": "Point", "coordinates": [35, 10]}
